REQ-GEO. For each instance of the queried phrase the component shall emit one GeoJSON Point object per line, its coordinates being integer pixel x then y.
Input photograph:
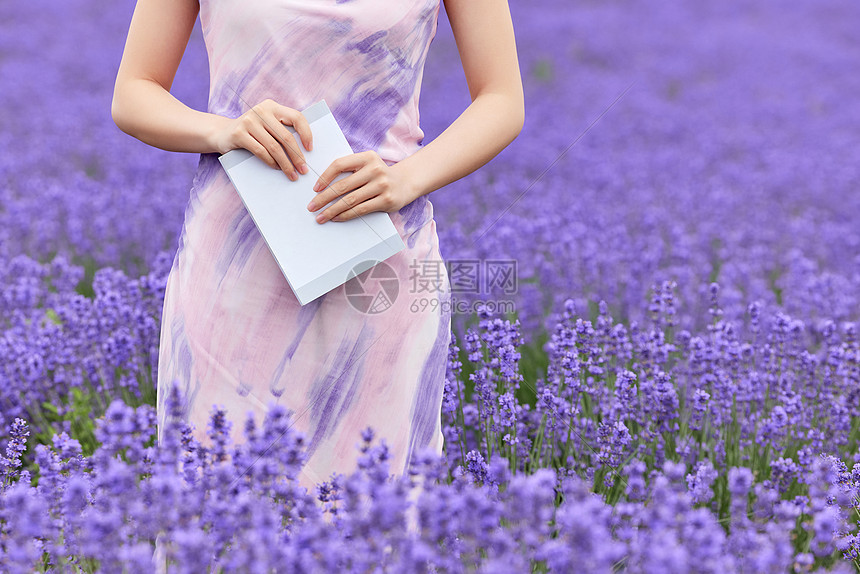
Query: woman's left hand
{"type": "Point", "coordinates": [374, 186]}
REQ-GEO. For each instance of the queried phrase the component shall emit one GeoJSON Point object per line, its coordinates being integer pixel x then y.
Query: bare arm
{"type": "Point", "coordinates": [143, 106]}
{"type": "Point", "coordinates": [485, 40]}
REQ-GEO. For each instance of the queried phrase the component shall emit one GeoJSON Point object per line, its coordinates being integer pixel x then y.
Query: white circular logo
{"type": "Point", "coordinates": [372, 290]}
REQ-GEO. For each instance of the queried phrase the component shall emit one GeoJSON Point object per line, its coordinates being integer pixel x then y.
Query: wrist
{"type": "Point", "coordinates": [215, 133]}
{"type": "Point", "coordinates": [409, 179]}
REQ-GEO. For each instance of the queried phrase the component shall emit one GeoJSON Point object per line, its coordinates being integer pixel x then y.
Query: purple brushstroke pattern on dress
{"type": "Point", "coordinates": [425, 425]}
{"type": "Point", "coordinates": [333, 392]}
{"type": "Point", "coordinates": [233, 333]}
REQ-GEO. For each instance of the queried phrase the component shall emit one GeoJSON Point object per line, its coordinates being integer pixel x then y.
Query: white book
{"type": "Point", "coordinates": [314, 257]}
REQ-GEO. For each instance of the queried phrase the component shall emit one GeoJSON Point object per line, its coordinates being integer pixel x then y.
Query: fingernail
{"type": "Point", "coordinates": [293, 176]}
{"type": "Point", "coordinates": [311, 206]}
{"type": "Point", "coordinates": [320, 218]}
{"type": "Point", "coordinates": [317, 186]}
{"type": "Point", "coordinates": [303, 168]}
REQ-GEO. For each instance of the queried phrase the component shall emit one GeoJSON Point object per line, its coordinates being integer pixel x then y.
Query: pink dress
{"type": "Point", "coordinates": [233, 333]}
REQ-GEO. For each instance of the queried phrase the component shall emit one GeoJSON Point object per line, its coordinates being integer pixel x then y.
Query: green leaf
{"type": "Point", "coordinates": [52, 315]}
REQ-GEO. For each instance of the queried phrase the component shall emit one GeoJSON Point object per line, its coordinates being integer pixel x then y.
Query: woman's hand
{"type": "Point", "coordinates": [262, 131]}
{"type": "Point", "coordinates": [374, 186]}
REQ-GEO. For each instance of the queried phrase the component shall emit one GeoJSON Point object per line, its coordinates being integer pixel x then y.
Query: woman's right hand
{"type": "Point", "coordinates": [262, 131]}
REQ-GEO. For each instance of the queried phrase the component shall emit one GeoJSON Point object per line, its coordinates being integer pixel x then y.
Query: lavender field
{"type": "Point", "coordinates": [677, 388]}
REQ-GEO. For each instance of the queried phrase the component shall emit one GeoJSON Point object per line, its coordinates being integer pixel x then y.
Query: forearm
{"type": "Point", "coordinates": [144, 109]}
{"type": "Point", "coordinates": [486, 127]}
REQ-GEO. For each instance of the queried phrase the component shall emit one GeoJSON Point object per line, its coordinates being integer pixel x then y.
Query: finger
{"type": "Point", "coordinates": [274, 148]}
{"type": "Point", "coordinates": [352, 162]}
{"type": "Point", "coordinates": [340, 188]}
{"type": "Point", "coordinates": [350, 206]}
{"type": "Point", "coordinates": [264, 115]}
{"type": "Point", "coordinates": [285, 139]}
{"type": "Point", "coordinates": [248, 142]}
{"type": "Point", "coordinates": [372, 202]}
{"type": "Point", "coordinates": [297, 119]}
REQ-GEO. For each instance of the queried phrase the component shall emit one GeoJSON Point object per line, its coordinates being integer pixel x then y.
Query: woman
{"type": "Point", "coordinates": [233, 333]}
